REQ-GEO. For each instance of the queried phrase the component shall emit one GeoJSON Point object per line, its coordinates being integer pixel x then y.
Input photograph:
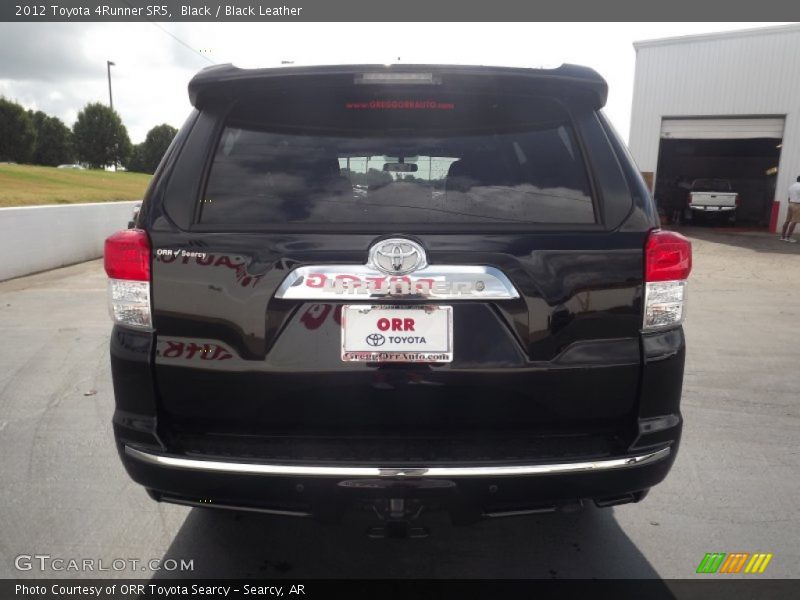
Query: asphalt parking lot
{"type": "Point", "coordinates": [734, 487]}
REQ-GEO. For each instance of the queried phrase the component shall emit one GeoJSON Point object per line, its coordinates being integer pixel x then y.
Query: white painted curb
{"type": "Point", "coordinates": [38, 238]}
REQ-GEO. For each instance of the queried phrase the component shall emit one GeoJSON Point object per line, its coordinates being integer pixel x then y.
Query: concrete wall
{"type": "Point", "coordinates": [38, 238]}
{"type": "Point", "coordinates": [734, 74]}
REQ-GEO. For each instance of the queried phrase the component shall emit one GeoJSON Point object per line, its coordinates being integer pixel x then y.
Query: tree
{"type": "Point", "coordinates": [152, 149]}
{"type": "Point", "coordinates": [136, 160]}
{"type": "Point", "coordinates": [100, 137]}
{"type": "Point", "coordinates": [17, 135]}
{"type": "Point", "coordinates": [53, 140]}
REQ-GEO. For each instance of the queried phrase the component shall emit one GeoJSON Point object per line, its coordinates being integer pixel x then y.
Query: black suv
{"type": "Point", "coordinates": [401, 288]}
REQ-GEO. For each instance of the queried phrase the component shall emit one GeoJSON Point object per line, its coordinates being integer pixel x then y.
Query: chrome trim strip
{"type": "Point", "coordinates": [520, 513]}
{"type": "Point", "coordinates": [220, 466]}
{"type": "Point", "coordinates": [437, 282]}
{"type": "Point", "coordinates": [255, 509]}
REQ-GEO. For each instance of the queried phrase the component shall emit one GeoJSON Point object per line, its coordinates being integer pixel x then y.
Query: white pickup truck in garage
{"type": "Point", "coordinates": [712, 198]}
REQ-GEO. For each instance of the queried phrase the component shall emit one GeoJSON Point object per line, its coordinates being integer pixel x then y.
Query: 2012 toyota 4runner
{"type": "Point", "coordinates": [401, 287]}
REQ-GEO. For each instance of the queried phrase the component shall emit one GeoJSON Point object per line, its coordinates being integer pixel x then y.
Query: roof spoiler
{"type": "Point", "coordinates": [227, 81]}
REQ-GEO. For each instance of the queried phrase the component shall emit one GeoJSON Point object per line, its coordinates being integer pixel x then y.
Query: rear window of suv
{"type": "Point", "coordinates": [348, 158]}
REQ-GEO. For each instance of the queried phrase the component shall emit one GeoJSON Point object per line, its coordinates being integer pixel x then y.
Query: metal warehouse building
{"type": "Point", "coordinates": [722, 105]}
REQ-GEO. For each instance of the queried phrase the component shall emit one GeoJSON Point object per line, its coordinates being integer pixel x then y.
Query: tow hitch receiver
{"type": "Point", "coordinates": [396, 515]}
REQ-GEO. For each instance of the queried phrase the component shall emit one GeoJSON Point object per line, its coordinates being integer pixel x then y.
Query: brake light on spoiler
{"type": "Point", "coordinates": [127, 264]}
{"type": "Point", "coordinates": [389, 78]}
{"type": "Point", "coordinates": [667, 264]}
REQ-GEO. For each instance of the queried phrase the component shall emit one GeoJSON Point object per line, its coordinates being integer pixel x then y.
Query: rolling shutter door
{"type": "Point", "coordinates": [722, 129]}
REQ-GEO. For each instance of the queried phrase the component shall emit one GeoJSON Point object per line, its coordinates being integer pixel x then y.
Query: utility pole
{"type": "Point", "coordinates": [110, 64]}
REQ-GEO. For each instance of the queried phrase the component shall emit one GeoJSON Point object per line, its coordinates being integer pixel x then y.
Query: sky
{"type": "Point", "coordinates": [60, 67]}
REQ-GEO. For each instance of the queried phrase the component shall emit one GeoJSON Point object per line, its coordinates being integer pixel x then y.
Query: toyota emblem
{"type": "Point", "coordinates": [375, 339]}
{"type": "Point", "coordinates": [397, 256]}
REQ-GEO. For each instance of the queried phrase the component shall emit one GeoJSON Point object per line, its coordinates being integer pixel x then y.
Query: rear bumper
{"type": "Point", "coordinates": [713, 208]}
{"type": "Point", "coordinates": [327, 490]}
{"type": "Point", "coordinates": [464, 470]}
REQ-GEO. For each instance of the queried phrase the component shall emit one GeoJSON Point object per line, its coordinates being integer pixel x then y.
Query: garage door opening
{"type": "Point", "coordinates": [750, 164]}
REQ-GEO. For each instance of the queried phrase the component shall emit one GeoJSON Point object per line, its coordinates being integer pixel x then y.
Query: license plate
{"type": "Point", "coordinates": [397, 334]}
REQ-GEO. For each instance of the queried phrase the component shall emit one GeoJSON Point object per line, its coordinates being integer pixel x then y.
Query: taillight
{"type": "Point", "coordinates": [738, 201]}
{"type": "Point", "coordinates": [667, 256]}
{"type": "Point", "coordinates": [667, 264]}
{"type": "Point", "coordinates": [127, 264]}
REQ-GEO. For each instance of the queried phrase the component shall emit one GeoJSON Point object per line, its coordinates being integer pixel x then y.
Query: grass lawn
{"type": "Point", "coordinates": [26, 185]}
